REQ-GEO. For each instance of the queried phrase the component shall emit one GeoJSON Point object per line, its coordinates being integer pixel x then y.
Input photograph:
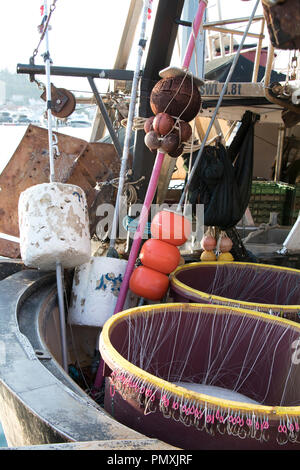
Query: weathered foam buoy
{"type": "Point", "coordinates": [96, 286]}
{"type": "Point", "coordinates": [54, 226]}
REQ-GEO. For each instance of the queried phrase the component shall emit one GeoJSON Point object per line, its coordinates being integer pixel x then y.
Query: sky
{"type": "Point", "coordinates": [84, 33]}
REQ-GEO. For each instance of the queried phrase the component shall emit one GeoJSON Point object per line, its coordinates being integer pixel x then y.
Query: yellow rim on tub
{"type": "Point", "coordinates": [209, 297]}
{"type": "Point", "coordinates": [114, 359]}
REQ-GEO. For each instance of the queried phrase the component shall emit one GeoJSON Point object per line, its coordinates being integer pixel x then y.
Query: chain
{"type": "Point", "coordinates": [42, 28]}
{"type": "Point", "coordinates": [294, 63]}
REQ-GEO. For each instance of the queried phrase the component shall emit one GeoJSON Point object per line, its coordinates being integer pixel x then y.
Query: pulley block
{"type": "Point", "coordinates": [63, 102]}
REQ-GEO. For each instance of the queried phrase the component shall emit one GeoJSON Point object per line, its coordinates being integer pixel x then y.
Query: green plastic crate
{"type": "Point", "coordinates": [269, 196]}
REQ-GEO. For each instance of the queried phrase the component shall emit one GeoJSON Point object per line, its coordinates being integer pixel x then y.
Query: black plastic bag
{"type": "Point", "coordinates": [223, 178]}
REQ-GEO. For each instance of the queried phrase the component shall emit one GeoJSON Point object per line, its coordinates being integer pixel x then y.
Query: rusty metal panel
{"type": "Point", "coordinates": [107, 155]}
{"type": "Point", "coordinates": [283, 19]}
{"type": "Point", "coordinates": [79, 163]}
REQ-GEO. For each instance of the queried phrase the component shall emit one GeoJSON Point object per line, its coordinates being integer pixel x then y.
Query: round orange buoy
{"type": "Point", "coordinates": [149, 284]}
{"type": "Point", "coordinates": [152, 141]}
{"type": "Point", "coordinates": [171, 227]}
{"type": "Point", "coordinates": [170, 142]}
{"type": "Point", "coordinates": [177, 96]}
{"type": "Point", "coordinates": [148, 125]}
{"type": "Point", "coordinates": [163, 123]}
{"type": "Point", "coordinates": [159, 255]}
{"type": "Point", "coordinates": [177, 152]}
{"type": "Point", "coordinates": [185, 131]}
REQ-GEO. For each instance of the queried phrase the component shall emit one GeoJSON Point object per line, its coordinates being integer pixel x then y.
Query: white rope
{"type": "Point", "coordinates": [48, 95]}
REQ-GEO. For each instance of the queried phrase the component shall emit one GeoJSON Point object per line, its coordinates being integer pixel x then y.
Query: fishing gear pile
{"type": "Point", "coordinates": [175, 101]}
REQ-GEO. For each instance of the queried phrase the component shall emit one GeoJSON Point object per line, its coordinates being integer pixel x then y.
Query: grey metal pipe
{"type": "Point", "coordinates": [62, 316]}
{"type": "Point", "coordinates": [105, 74]}
{"type": "Point", "coordinates": [106, 117]}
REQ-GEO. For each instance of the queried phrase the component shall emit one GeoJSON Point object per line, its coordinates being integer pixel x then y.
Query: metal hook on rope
{"type": "Point", "coordinates": [55, 145]}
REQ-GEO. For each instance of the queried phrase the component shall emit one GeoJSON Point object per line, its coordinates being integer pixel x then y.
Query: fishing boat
{"type": "Point", "coordinates": [82, 306]}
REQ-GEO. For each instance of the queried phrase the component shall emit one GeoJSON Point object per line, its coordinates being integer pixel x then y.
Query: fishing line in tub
{"type": "Point", "coordinates": [53, 217]}
{"type": "Point", "coordinates": [270, 289]}
{"type": "Point", "coordinates": [204, 376]}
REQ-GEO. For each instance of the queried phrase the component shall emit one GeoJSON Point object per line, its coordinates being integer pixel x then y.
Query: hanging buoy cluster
{"type": "Point", "coordinates": [178, 96]}
{"type": "Point", "coordinates": [54, 226]}
{"type": "Point", "coordinates": [174, 101]}
{"type": "Point", "coordinates": [160, 255]}
{"type": "Point", "coordinates": [216, 249]}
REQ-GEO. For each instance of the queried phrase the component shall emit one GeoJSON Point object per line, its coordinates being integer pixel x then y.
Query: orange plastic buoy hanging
{"type": "Point", "coordinates": [171, 227]}
{"type": "Point", "coordinates": [148, 283]}
{"type": "Point", "coordinates": [159, 255]}
{"type": "Point", "coordinates": [224, 243]}
{"type": "Point", "coordinates": [208, 242]}
{"type": "Point", "coordinates": [216, 249]}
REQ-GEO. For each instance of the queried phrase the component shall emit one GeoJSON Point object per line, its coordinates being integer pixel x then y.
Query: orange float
{"type": "Point", "coordinates": [159, 255]}
{"type": "Point", "coordinates": [171, 227]}
{"type": "Point", "coordinates": [148, 283]}
{"type": "Point", "coordinates": [163, 123]}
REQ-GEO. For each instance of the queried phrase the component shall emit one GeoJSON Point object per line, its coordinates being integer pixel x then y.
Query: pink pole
{"type": "Point", "coordinates": [150, 193]}
{"type": "Point", "coordinates": [196, 26]}
{"type": "Point", "coordinates": [154, 177]}
{"type": "Point", "coordinates": [140, 230]}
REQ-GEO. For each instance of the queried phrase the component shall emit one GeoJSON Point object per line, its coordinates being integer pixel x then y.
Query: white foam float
{"type": "Point", "coordinates": [96, 286]}
{"type": "Point", "coordinates": [54, 226]}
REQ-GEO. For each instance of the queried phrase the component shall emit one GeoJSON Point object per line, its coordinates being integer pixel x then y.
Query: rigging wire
{"type": "Point", "coordinates": [52, 145]}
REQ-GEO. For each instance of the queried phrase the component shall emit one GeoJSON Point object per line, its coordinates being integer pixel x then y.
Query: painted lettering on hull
{"type": "Point", "coordinates": [214, 89]}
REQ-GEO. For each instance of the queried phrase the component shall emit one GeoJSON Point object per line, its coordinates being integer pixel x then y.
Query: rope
{"type": "Point", "coordinates": [44, 27]}
{"type": "Point", "coordinates": [261, 229]}
{"type": "Point", "coordinates": [189, 146]}
{"type": "Point", "coordinates": [128, 188]}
